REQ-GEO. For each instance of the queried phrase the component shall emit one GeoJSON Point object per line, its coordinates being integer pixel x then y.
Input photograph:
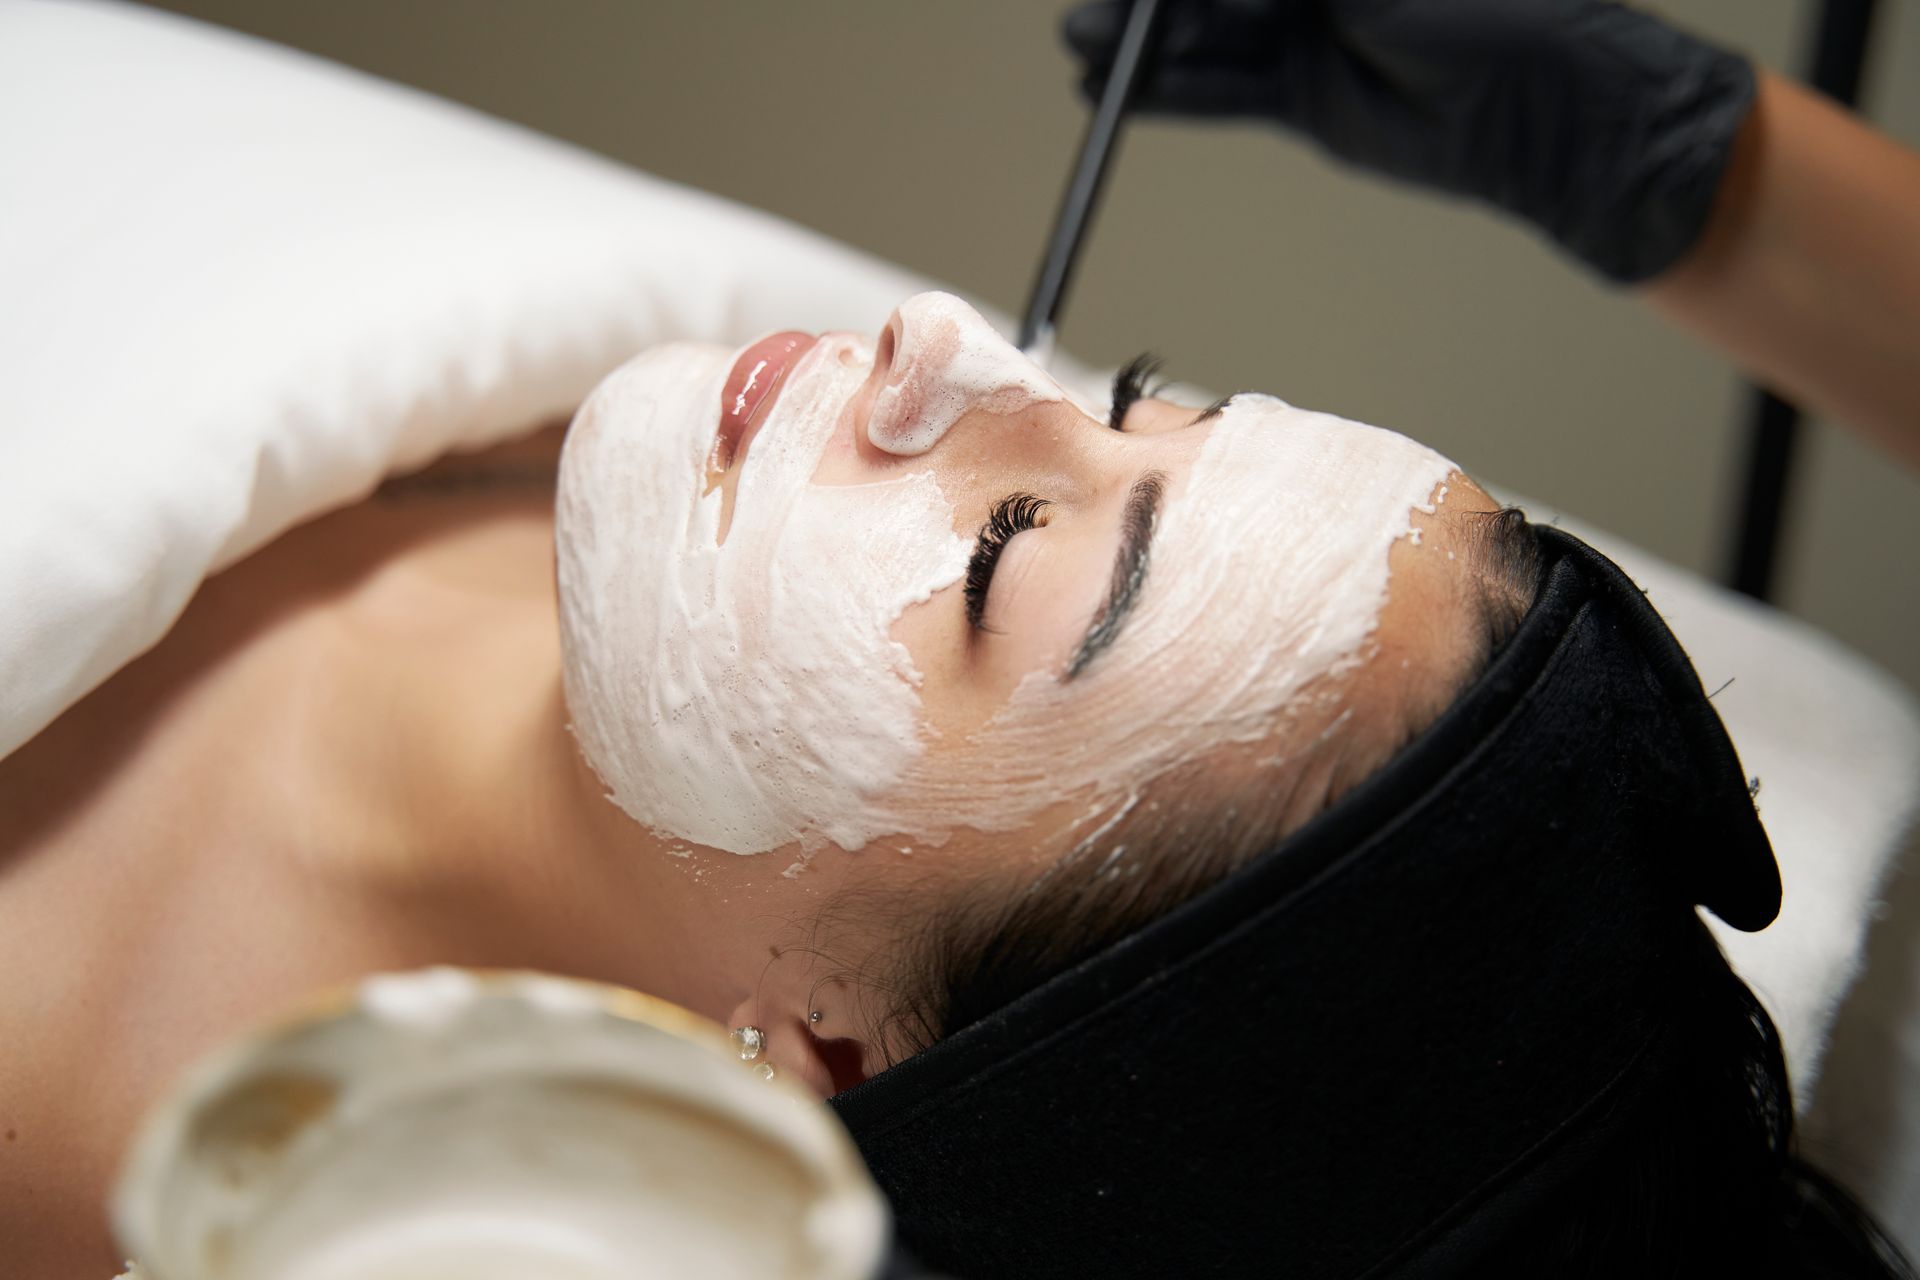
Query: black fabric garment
{"type": "Point", "coordinates": [1369, 1049]}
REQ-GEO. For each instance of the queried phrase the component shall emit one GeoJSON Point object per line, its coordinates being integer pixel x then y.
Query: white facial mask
{"type": "Point", "coordinates": [1268, 573]}
{"type": "Point", "coordinates": [749, 696]}
{"type": "Point", "coordinates": [948, 363]}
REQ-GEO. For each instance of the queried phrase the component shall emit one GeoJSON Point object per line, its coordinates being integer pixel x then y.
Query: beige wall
{"type": "Point", "coordinates": [938, 135]}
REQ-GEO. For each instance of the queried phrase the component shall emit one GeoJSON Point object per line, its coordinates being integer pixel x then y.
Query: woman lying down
{"type": "Point", "coordinates": [1184, 839]}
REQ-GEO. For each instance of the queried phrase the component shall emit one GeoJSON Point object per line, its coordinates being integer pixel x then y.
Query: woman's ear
{"type": "Point", "coordinates": [804, 1045]}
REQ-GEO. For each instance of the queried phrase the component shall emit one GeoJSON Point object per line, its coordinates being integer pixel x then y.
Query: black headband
{"type": "Point", "coordinates": [1364, 1051]}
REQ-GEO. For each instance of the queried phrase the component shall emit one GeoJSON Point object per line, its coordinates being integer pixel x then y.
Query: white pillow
{"type": "Point", "coordinates": [239, 286]}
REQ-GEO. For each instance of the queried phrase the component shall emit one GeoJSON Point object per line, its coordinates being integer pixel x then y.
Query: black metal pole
{"type": "Point", "coordinates": [1840, 48]}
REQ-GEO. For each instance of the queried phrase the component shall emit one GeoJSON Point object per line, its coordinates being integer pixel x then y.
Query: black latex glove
{"type": "Point", "coordinates": [1603, 126]}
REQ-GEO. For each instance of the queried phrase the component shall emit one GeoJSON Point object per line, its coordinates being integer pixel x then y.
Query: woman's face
{"type": "Point", "coordinates": [854, 591]}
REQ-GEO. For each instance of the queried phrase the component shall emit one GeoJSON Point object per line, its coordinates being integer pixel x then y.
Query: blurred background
{"type": "Point", "coordinates": [939, 136]}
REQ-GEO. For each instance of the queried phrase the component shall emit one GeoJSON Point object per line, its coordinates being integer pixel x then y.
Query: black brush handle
{"type": "Point", "coordinates": [1089, 174]}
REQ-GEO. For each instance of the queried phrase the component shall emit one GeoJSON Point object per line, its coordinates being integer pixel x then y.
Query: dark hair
{"type": "Point", "coordinates": [1504, 555]}
{"type": "Point", "coordinates": [1703, 1181]}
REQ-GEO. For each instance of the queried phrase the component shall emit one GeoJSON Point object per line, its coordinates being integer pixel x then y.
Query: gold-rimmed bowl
{"type": "Point", "coordinates": [453, 1124]}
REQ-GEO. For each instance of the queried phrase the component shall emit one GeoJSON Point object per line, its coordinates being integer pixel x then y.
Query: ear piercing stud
{"type": "Point", "coordinates": [750, 1041]}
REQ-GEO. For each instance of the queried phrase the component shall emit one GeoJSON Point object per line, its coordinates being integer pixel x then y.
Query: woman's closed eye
{"type": "Point", "coordinates": [1016, 513]}
{"type": "Point", "coordinates": [1013, 514]}
{"type": "Point", "coordinates": [1130, 386]}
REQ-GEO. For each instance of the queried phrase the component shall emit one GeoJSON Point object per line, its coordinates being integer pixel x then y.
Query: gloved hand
{"type": "Point", "coordinates": [1604, 127]}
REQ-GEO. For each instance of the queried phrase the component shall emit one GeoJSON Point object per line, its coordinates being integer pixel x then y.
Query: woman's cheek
{"type": "Point", "coordinates": [934, 633]}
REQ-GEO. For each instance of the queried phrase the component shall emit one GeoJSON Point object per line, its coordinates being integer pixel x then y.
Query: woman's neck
{"type": "Point", "coordinates": [449, 778]}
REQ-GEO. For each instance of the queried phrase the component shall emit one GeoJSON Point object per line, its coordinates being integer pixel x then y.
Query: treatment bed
{"type": "Point", "coordinates": [240, 286]}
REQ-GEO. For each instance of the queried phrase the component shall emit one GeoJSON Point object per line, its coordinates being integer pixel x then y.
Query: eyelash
{"type": "Point", "coordinates": [1130, 385]}
{"type": "Point", "coordinates": [1013, 514]}
{"type": "Point", "coordinates": [1019, 512]}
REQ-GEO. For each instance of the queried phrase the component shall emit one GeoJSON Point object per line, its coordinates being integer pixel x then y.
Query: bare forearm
{"type": "Point", "coordinates": [1808, 275]}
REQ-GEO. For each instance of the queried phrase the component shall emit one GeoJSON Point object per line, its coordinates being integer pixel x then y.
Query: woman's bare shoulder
{"type": "Point", "coordinates": [144, 812]}
{"type": "Point", "coordinates": [472, 532]}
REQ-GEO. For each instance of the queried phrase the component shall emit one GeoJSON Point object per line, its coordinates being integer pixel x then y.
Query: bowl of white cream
{"type": "Point", "coordinates": [459, 1125]}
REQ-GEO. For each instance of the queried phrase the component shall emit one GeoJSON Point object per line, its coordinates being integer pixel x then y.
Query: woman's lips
{"type": "Point", "coordinates": [749, 392]}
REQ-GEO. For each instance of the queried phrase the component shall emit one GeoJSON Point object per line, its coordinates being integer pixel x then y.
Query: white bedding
{"type": "Point", "coordinates": [239, 286]}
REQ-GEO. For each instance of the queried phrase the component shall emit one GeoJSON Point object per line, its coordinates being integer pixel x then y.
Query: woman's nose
{"type": "Point", "coordinates": [942, 360]}
{"type": "Point", "coordinates": [886, 351]}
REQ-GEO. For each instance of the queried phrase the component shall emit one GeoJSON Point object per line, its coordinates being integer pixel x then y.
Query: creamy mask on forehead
{"type": "Point", "coordinates": [749, 695]}
{"type": "Point", "coordinates": [1268, 572]}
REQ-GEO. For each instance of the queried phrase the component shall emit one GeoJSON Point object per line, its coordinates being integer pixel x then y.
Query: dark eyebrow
{"type": "Point", "coordinates": [1129, 569]}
